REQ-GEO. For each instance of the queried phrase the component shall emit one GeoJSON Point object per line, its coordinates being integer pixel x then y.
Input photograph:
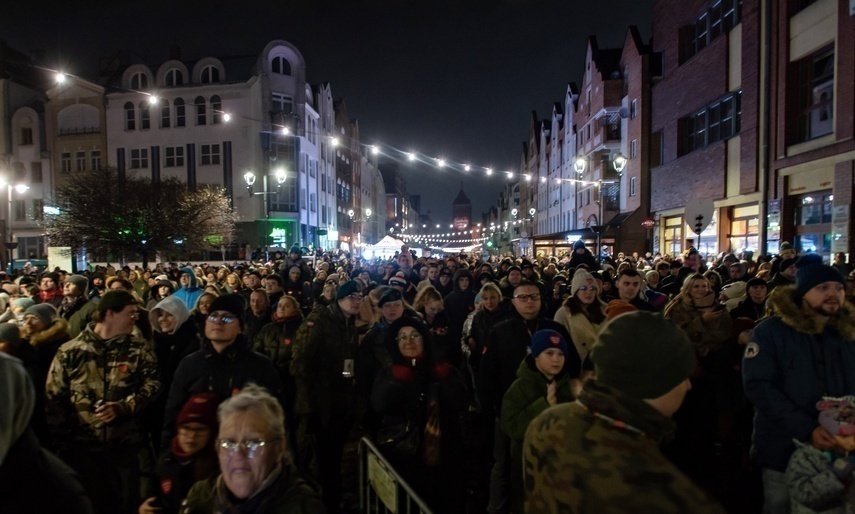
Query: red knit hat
{"type": "Point", "coordinates": [200, 408]}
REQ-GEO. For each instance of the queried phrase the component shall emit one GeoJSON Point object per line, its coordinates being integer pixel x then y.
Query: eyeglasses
{"type": "Point", "coordinates": [415, 336]}
{"type": "Point", "coordinates": [527, 297]}
{"type": "Point", "coordinates": [252, 446]}
{"type": "Point", "coordinates": [225, 319]}
{"type": "Point", "coordinates": [355, 297]}
{"type": "Point", "coordinates": [135, 314]}
{"type": "Point", "coordinates": [586, 288]}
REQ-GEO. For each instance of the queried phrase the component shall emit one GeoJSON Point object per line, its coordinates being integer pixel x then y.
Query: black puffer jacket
{"type": "Point", "coordinates": [482, 324]}
{"type": "Point", "coordinates": [459, 304]}
{"type": "Point", "coordinates": [220, 373]}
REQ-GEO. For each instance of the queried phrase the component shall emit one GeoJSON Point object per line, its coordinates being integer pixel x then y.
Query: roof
{"type": "Point", "coordinates": [461, 198]}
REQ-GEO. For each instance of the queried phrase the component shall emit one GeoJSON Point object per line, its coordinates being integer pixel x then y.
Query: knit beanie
{"type": "Point", "coordinates": [11, 334]}
{"type": "Point", "coordinates": [23, 303]}
{"type": "Point", "coordinates": [811, 272]}
{"type": "Point", "coordinates": [80, 281]}
{"type": "Point", "coordinates": [582, 278]}
{"type": "Point", "coordinates": [643, 355]}
{"type": "Point", "coordinates": [115, 300]}
{"type": "Point", "coordinates": [756, 282]}
{"type": "Point", "coordinates": [617, 307]}
{"type": "Point", "coordinates": [390, 295]}
{"type": "Point", "coordinates": [232, 303]}
{"type": "Point", "coordinates": [53, 276]}
{"type": "Point", "coordinates": [785, 246]}
{"type": "Point", "coordinates": [200, 408]}
{"type": "Point", "coordinates": [295, 249]}
{"type": "Point", "coordinates": [545, 339]}
{"type": "Point", "coordinates": [398, 281]}
{"type": "Point", "coordinates": [348, 288]}
{"type": "Point", "coordinates": [786, 263]}
{"type": "Point", "coordinates": [44, 311]}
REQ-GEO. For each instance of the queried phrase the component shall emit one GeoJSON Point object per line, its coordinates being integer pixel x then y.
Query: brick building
{"type": "Point", "coordinates": [811, 120]}
{"type": "Point", "coordinates": [704, 123]}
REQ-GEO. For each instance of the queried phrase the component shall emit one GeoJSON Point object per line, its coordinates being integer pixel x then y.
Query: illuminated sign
{"type": "Point", "coordinates": [279, 237]}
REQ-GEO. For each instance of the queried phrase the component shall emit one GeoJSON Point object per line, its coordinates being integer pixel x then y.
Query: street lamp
{"type": "Point", "coordinates": [250, 178]}
{"type": "Point", "coordinates": [619, 163]}
{"type": "Point", "coordinates": [10, 243]}
{"type": "Point", "coordinates": [579, 164]}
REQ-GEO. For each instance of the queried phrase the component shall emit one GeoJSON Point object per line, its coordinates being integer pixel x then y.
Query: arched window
{"type": "Point", "coordinates": [130, 116]}
{"type": "Point", "coordinates": [174, 77]}
{"type": "Point", "coordinates": [280, 65]}
{"type": "Point", "coordinates": [165, 119]}
{"type": "Point", "coordinates": [180, 118]}
{"type": "Point", "coordinates": [216, 109]}
{"type": "Point", "coordinates": [200, 110]}
{"type": "Point", "coordinates": [139, 81]}
{"type": "Point", "coordinates": [210, 74]}
{"type": "Point", "coordinates": [145, 115]}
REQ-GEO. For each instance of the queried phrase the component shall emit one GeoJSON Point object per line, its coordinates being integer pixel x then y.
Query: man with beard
{"type": "Point", "coordinates": [804, 352]}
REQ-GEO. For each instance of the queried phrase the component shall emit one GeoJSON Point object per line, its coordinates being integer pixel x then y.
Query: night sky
{"type": "Point", "coordinates": [453, 79]}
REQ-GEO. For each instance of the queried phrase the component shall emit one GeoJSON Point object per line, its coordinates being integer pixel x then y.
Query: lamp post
{"type": "Point", "coordinates": [10, 243]}
{"type": "Point", "coordinates": [249, 178]}
{"type": "Point", "coordinates": [351, 213]}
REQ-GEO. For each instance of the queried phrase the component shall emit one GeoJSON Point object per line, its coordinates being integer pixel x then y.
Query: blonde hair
{"type": "Point", "coordinates": [425, 296]}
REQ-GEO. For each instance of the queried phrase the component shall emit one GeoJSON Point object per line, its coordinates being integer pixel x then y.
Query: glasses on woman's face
{"type": "Point", "coordinates": [225, 319]}
{"type": "Point", "coordinates": [587, 288]}
{"type": "Point", "coordinates": [414, 336]}
{"type": "Point", "coordinates": [252, 446]}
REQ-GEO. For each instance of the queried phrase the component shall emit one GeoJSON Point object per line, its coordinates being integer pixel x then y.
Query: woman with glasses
{"type": "Point", "coordinates": [189, 459]}
{"type": "Point", "coordinates": [421, 397]}
{"type": "Point", "coordinates": [256, 474]}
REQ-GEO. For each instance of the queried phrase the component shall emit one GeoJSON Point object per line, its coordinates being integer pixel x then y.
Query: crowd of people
{"type": "Point", "coordinates": [547, 384]}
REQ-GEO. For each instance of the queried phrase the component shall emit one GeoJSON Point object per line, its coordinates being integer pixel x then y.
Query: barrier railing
{"type": "Point", "coordinates": [381, 489]}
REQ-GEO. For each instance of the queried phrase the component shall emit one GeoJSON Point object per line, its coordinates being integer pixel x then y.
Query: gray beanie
{"type": "Point", "coordinates": [643, 355]}
{"type": "Point", "coordinates": [9, 333]}
{"type": "Point", "coordinates": [80, 281]}
{"type": "Point", "coordinates": [44, 311]}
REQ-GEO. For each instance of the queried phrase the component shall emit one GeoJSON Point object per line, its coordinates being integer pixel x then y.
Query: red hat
{"type": "Point", "coordinates": [200, 408]}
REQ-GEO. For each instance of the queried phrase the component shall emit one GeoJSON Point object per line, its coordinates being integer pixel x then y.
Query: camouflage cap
{"type": "Point", "coordinates": [643, 355]}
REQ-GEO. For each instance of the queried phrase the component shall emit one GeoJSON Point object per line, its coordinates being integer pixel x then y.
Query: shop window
{"type": "Point", "coordinates": [814, 209]}
{"type": "Point", "coordinates": [745, 228]}
{"type": "Point", "coordinates": [673, 235]}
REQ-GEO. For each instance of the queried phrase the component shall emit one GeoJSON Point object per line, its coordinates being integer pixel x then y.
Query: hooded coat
{"type": "Point", "coordinates": [791, 362]}
{"type": "Point", "coordinates": [459, 303]}
{"type": "Point", "coordinates": [26, 470]}
{"type": "Point", "coordinates": [190, 294]}
{"type": "Point", "coordinates": [586, 257]}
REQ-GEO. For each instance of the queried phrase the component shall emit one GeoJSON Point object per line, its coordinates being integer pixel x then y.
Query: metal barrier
{"type": "Point", "coordinates": [381, 489]}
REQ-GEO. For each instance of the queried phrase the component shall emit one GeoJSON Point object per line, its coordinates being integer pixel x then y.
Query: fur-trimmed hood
{"type": "Point", "coordinates": [783, 303]}
{"type": "Point", "coordinates": [58, 330]}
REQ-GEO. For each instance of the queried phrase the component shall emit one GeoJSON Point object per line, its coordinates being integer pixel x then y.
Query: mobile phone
{"type": "Point", "coordinates": [562, 290]}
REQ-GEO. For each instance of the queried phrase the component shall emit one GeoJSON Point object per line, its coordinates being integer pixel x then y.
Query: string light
{"type": "Point", "coordinates": [62, 77]}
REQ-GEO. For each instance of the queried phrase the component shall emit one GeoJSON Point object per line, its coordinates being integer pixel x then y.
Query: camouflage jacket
{"type": "Point", "coordinates": [601, 454]}
{"type": "Point", "coordinates": [274, 340]}
{"type": "Point", "coordinates": [323, 342]}
{"type": "Point", "coordinates": [88, 369]}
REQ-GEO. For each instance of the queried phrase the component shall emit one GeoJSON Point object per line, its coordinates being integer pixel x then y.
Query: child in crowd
{"type": "Point", "coordinates": [819, 481]}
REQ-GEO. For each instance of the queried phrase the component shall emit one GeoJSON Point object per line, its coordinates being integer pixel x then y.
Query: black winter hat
{"type": "Point", "coordinates": [391, 340]}
{"type": "Point", "coordinates": [348, 288]}
{"type": "Point", "coordinates": [390, 295]}
{"type": "Point", "coordinates": [756, 282]}
{"type": "Point", "coordinates": [115, 300]}
{"type": "Point", "coordinates": [786, 263]}
{"type": "Point", "coordinates": [232, 303]}
{"type": "Point", "coordinates": [643, 355]}
{"type": "Point", "coordinates": [812, 272]}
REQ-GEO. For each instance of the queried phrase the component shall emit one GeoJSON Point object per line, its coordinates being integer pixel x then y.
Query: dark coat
{"type": "Point", "coordinates": [254, 324]}
{"type": "Point", "coordinates": [507, 346]}
{"type": "Point", "coordinates": [791, 363]}
{"type": "Point", "coordinates": [174, 476]}
{"type": "Point", "coordinates": [205, 370]}
{"type": "Point", "coordinates": [482, 324]}
{"type": "Point", "coordinates": [458, 304]}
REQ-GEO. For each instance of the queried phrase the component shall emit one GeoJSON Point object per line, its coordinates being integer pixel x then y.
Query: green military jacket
{"type": "Point", "coordinates": [324, 341]}
{"type": "Point", "coordinates": [275, 340]}
{"type": "Point", "coordinates": [89, 369]}
{"type": "Point", "coordinates": [601, 454]}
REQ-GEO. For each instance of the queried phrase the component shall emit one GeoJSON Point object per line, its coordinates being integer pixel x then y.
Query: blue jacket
{"type": "Point", "coordinates": [189, 295]}
{"type": "Point", "coordinates": [791, 362]}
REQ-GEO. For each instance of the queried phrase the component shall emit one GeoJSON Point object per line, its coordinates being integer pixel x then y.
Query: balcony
{"type": "Point", "coordinates": [76, 131]}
